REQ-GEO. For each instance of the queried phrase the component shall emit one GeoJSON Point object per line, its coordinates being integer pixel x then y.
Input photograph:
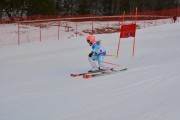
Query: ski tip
{"type": "Point", "coordinates": [87, 76]}
{"type": "Point", "coordinates": [74, 75]}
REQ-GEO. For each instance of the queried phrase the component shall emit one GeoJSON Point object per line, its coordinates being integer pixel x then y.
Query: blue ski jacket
{"type": "Point", "coordinates": [98, 49]}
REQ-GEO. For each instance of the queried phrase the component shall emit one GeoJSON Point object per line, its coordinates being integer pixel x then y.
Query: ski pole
{"type": "Point", "coordinates": [111, 63]}
{"type": "Point", "coordinates": [110, 55]}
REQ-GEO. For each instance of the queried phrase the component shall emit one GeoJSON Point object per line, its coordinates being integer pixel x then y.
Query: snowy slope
{"type": "Point", "coordinates": [35, 82]}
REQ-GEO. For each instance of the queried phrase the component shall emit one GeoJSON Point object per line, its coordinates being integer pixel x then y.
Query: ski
{"type": "Point", "coordinates": [80, 74]}
{"type": "Point", "coordinates": [91, 75]}
{"type": "Point", "coordinates": [76, 75]}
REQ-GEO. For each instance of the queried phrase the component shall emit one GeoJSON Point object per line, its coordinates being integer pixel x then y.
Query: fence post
{"type": "Point", "coordinates": [119, 20]}
{"type": "Point", "coordinates": [163, 15]}
{"type": "Point", "coordinates": [39, 28]}
{"type": "Point", "coordinates": [59, 20]}
{"type": "Point", "coordinates": [163, 20]}
{"type": "Point", "coordinates": [18, 30]}
{"type": "Point", "coordinates": [40, 31]}
{"type": "Point", "coordinates": [144, 21]}
{"type": "Point", "coordinates": [67, 26]}
{"type": "Point", "coordinates": [92, 26]}
{"type": "Point", "coordinates": [178, 10]}
{"type": "Point", "coordinates": [107, 21]}
{"type": "Point", "coordinates": [76, 27]}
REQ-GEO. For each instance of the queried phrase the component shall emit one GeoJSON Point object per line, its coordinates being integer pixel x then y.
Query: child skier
{"type": "Point", "coordinates": [97, 54]}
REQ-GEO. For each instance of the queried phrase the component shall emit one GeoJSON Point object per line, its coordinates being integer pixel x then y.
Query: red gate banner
{"type": "Point", "coordinates": [128, 31]}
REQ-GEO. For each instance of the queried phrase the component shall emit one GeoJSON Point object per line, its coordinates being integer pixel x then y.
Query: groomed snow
{"type": "Point", "coordinates": [35, 82]}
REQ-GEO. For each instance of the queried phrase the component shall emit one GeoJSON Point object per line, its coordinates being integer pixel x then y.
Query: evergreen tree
{"type": "Point", "coordinates": [15, 8]}
{"type": "Point", "coordinates": [12, 8]}
{"type": "Point", "coordinates": [1, 11]}
{"type": "Point", "coordinates": [84, 7]}
{"type": "Point", "coordinates": [107, 6]}
{"type": "Point", "coordinates": [41, 7]}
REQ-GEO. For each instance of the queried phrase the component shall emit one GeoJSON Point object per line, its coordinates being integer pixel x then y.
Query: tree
{"type": "Point", "coordinates": [1, 11]}
{"type": "Point", "coordinates": [107, 6]}
{"type": "Point", "coordinates": [115, 7]}
{"type": "Point", "coordinates": [15, 8]}
{"type": "Point", "coordinates": [12, 8]}
{"type": "Point", "coordinates": [41, 7]}
{"type": "Point", "coordinates": [84, 7]}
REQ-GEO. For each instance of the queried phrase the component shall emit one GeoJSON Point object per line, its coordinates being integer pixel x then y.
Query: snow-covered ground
{"type": "Point", "coordinates": [31, 32]}
{"type": "Point", "coordinates": [35, 82]}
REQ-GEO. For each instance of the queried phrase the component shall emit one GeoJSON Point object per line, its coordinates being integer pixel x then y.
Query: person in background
{"type": "Point", "coordinates": [174, 18]}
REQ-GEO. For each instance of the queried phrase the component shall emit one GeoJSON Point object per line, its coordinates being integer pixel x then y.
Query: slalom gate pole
{"type": "Point", "coordinates": [120, 36]}
{"type": "Point", "coordinates": [133, 47]}
{"type": "Point", "coordinates": [135, 35]}
{"type": "Point", "coordinates": [111, 63]}
{"type": "Point", "coordinates": [118, 47]}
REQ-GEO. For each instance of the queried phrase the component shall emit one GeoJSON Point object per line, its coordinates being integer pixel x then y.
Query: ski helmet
{"type": "Point", "coordinates": [90, 39]}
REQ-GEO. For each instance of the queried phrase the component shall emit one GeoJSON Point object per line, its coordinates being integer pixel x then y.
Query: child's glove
{"type": "Point", "coordinates": [90, 54]}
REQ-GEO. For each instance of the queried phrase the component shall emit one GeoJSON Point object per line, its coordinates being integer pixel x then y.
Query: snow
{"type": "Point", "coordinates": [35, 82]}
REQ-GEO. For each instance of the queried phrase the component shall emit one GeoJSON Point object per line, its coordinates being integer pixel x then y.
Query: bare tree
{"type": "Point", "coordinates": [115, 9]}
{"type": "Point", "coordinates": [1, 11]}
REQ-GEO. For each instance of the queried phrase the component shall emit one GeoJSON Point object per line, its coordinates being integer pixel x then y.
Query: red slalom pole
{"type": "Point", "coordinates": [134, 36]}
{"type": "Point", "coordinates": [120, 36]}
{"type": "Point", "coordinates": [118, 47]}
{"type": "Point", "coordinates": [133, 47]}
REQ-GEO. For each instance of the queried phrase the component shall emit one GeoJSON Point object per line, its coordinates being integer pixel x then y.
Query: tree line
{"type": "Point", "coordinates": [14, 8]}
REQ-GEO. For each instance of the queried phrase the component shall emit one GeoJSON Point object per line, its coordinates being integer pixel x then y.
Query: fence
{"type": "Point", "coordinates": [40, 28]}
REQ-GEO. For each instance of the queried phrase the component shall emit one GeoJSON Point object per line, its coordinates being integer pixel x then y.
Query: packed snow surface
{"type": "Point", "coordinates": [35, 82]}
